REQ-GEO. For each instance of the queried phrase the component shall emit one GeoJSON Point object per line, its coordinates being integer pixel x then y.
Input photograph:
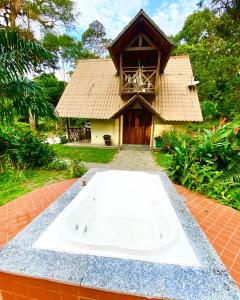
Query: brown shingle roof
{"type": "Point", "coordinates": [93, 92]}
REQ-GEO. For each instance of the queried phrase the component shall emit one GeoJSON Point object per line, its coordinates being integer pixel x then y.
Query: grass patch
{"type": "Point", "coordinates": [14, 184]}
{"type": "Point", "coordinates": [95, 155]}
{"type": "Point", "coordinates": [163, 159]}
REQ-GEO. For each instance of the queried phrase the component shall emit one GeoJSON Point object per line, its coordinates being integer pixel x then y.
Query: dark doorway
{"type": "Point", "coordinates": [137, 126]}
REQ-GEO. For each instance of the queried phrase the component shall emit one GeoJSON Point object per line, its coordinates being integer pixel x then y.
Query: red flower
{"type": "Point", "coordinates": [236, 129]}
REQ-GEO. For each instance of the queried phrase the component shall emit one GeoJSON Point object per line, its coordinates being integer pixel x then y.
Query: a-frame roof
{"type": "Point", "coordinates": [93, 92]}
{"type": "Point", "coordinates": [141, 22]}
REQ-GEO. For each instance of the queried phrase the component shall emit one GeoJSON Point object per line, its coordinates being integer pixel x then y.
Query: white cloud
{"type": "Point", "coordinates": [170, 16]}
{"type": "Point", "coordinates": [113, 14]}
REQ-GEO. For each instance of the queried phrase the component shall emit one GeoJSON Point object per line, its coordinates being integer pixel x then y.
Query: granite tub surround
{"type": "Point", "coordinates": [112, 277]}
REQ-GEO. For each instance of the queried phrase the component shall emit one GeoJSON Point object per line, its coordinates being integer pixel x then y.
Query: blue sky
{"type": "Point", "coordinates": [115, 14]}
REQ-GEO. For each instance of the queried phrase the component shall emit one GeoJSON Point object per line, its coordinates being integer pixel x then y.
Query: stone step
{"type": "Point", "coordinates": [135, 147]}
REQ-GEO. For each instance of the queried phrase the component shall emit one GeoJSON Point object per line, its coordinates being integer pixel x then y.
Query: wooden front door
{"type": "Point", "coordinates": [137, 126]}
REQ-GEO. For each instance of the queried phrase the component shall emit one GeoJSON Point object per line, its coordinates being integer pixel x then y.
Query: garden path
{"type": "Point", "coordinates": [130, 159]}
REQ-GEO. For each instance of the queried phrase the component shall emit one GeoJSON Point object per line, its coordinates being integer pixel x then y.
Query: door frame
{"type": "Point", "coordinates": [137, 135]}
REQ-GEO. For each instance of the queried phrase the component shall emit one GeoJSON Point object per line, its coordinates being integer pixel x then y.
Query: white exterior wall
{"type": "Point", "coordinates": [101, 127]}
{"type": "Point", "coordinates": [159, 127]}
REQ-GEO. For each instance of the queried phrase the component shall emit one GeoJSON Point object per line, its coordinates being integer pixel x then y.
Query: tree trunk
{"type": "Point", "coordinates": [32, 121]}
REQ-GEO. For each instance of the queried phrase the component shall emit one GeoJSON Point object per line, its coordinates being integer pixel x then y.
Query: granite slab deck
{"type": "Point", "coordinates": [210, 281]}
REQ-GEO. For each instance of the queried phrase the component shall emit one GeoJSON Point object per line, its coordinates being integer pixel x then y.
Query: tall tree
{"type": "Point", "coordinates": [231, 7]}
{"type": "Point", "coordinates": [95, 38]}
{"type": "Point", "coordinates": [52, 86]}
{"type": "Point", "coordinates": [47, 13]}
{"type": "Point", "coordinates": [213, 43]}
{"type": "Point", "coordinates": [66, 50]}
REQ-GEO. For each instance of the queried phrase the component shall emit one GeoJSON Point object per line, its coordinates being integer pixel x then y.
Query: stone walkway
{"type": "Point", "coordinates": [130, 160]}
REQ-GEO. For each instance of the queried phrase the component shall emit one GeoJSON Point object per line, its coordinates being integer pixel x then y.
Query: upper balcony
{"type": "Point", "coordinates": [141, 80]}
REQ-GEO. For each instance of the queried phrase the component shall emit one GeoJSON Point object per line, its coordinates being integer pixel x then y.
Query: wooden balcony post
{"type": "Point", "coordinates": [121, 75]}
{"type": "Point", "coordinates": [157, 72]}
{"type": "Point", "coordinates": [152, 135]}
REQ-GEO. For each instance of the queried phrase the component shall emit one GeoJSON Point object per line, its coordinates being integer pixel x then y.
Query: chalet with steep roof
{"type": "Point", "coordinates": [136, 94]}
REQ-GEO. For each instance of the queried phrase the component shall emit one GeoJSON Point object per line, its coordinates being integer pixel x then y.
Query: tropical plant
{"type": "Point", "coordinates": [24, 147]}
{"type": "Point", "coordinates": [18, 94]}
{"type": "Point", "coordinates": [171, 139]}
{"type": "Point", "coordinates": [209, 162]}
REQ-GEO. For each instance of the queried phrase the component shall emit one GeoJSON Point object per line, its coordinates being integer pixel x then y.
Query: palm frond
{"type": "Point", "coordinates": [232, 175]}
{"type": "Point", "coordinates": [22, 96]}
{"type": "Point", "coordinates": [18, 55]}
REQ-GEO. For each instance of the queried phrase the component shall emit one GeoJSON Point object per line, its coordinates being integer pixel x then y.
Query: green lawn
{"type": "Point", "coordinates": [95, 155]}
{"type": "Point", "coordinates": [163, 159]}
{"type": "Point", "coordinates": [15, 184]}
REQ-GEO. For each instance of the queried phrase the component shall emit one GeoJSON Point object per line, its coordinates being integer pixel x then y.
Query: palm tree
{"type": "Point", "coordinates": [18, 58]}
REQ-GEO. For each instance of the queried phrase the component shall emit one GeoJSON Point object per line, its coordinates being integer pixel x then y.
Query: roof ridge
{"type": "Point", "coordinates": [94, 59]}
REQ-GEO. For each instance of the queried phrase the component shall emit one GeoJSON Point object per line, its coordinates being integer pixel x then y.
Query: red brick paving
{"type": "Point", "coordinates": [15, 215]}
{"type": "Point", "coordinates": [220, 223]}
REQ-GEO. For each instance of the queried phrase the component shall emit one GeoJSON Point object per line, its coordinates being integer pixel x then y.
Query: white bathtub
{"type": "Point", "coordinates": [121, 214]}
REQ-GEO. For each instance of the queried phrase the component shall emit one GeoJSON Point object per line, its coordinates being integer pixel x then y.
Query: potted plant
{"type": "Point", "coordinates": [158, 141]}
{"type": "Point", "coordinates": [107, 139]}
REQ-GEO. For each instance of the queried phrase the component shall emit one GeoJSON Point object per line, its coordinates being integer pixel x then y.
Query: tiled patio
{"type": "Point", "coordinates": [220, 223]}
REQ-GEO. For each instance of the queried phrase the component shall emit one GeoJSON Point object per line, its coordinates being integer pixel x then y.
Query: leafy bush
{"type": "Point", "coordinates": [77, 168]}
{"type": "Point", "coordinates": [209, 110]}
{"type": "Point", "coordinates": [169, 140]}
{"type": "Point", "coordinates": [63, 138]}
{"type": "Point", "coordinates": [57, 165]}
{"type": "Point", "coordinates": [209, 162]}
{"type": "Point", "coordinates": [24, 147]}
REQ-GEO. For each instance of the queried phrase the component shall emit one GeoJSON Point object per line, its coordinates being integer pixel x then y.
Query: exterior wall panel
{"type": "Point", "coordinates": [101, 127]}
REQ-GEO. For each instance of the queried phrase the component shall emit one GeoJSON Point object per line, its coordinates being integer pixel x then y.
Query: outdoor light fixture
{"type": "Point", "coordinates": [193, 84]}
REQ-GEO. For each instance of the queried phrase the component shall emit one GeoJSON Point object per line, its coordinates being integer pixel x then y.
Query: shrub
{"type": "Point", "coordinates": [57, 165]}
{"type": "Point", "coordinates": [169, 140]}
{"type": "Point", "coordinates": [209, 110]}
{"type": "Point", "coordinates": [76, 168]}
{"type": "Point", "coordinates": [25, 148]}
{"type": "Point", "coordinates": [63, 138]}
{"type": "Point", "coordinates": [209, 163]}
{"type": "Point", "coordinates": [4, 142]}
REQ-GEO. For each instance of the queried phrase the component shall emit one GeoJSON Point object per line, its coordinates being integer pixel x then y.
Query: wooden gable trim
{"type": "Point", "coordinates": [140, 48]}
{"type": "Point", "coordinates": [140, 37]}
{"type": "Point", "coordinates": [142, 101]}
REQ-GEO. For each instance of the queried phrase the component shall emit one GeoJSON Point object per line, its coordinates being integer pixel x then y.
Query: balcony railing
{"type": "Point", "coordinates": [138, 80]}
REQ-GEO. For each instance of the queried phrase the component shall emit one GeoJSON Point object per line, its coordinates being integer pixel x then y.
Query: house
{"type": "Point", "coordinates": [136, 94]}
